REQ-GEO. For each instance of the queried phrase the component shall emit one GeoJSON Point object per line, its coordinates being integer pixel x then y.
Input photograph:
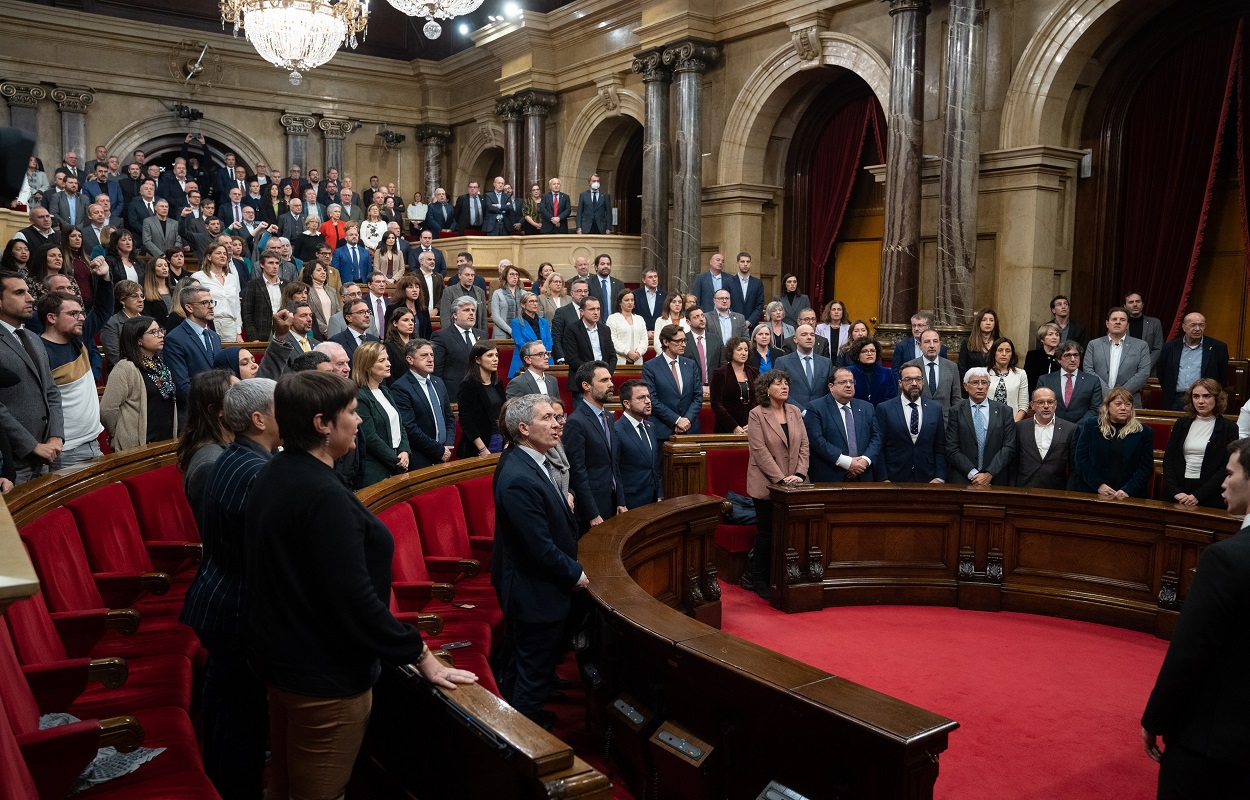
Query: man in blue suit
{"type": "Point", "coordinates": [588, 444]}
{"type": "Point", "coordinates": [357, 315]}
{"type": "Point", "coordinates": [423, 406]}
{"type": "Point", "coordinates": [1078, 393]}
{"type": "Point", "coordinates": [841, 433]}
{"type": "Point", "coordinates": [909, 348]}
{"type": "Point", "coordinates": [746, 292]}
{"type": "Point", "coordinates": [191, 347]}
{"type": "Point", "coordinates": [534, 569]}
{"type": "Point", "coordinates": [913, 436]}
{"type": "Point", "coordinates": [809, 373]}
{"type": "Point", "coordinates": [649, 298]}
{"type": "Point", "coordinates": [351, 258]}
{"type": "Point", "coordinates": [440, 216]}
{"type": "Point", "coordinates": [427, 245]}
{"type": "Point", "coordinates": [709, 283]}
{"type": "Point", "coordinates": [675, 403]}
{"type": "Point", "coordinates": [635, 448]}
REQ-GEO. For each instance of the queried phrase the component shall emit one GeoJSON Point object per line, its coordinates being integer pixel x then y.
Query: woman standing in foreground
{"type": "Point", "coordinates": [318, 581]}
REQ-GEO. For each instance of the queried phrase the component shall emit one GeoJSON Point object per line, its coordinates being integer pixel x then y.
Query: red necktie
{"type": "Point", "coordinates": [1067, 389]}
{"type": "Point", "coordinates": [702, 358]}
{"type": "Point", "coordinates": [555, 203]}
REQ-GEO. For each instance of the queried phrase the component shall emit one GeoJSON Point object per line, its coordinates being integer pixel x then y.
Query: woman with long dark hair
{"type": "Point", "coordinates": [140, 403]}
{"type": "Point", "coordinates": [158, 292]}
{"type": "Point", "coordinates": [400, 329]}
{"type": "Point", "coordinates": [976, 350]}
{"type": "Point", "coordinates": [410, 293]}
{"type": "Point", "coordinates": [206, 436]}
{"type": "Point", "coordinates": [480, 397]}
{"type": "Point", "coordinates": [731, 392]}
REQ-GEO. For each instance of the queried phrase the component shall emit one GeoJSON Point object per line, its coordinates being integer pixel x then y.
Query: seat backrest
{"type": "Point", "coordinates": [161, 506]}
{"type": "Point", "coordinates": [477, 499]}
{"type": "Point", "coordinates": [408, 562]}
{"type": "Point", "coordinates": [1162, 431]}
{"type": "Point", "coordinates": [110, 530]}
{"type": "Point", "coordinates": [441, 523]}
{"type": "Point", "coordinates": [57, 552]}
{"type": "Point", "coordinates": [15, 779]}
{"type": "Point", "coordinates": [19, 700]}
{"type": "Point", "coordinates": [34, 635]}
{"type": "Point", "coordinates": [727, 471]}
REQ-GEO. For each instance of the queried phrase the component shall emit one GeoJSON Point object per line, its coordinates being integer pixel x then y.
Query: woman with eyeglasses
{"type": "Point", "coordinates": [130, 295]}
{"type": "Point", "coordinates": [873, 382]}
{"type": "Point", "coordinates": [140, 402]}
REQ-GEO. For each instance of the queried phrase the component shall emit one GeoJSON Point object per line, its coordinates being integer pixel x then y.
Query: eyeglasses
{"type": "Point", "coordinates": [198, 302]}
{"type": "Point", "coordinates": [75, 314]}
{"type": "Point", "coordinates": [154, 331]}
{"type": "Point", "coordinates": [908, 380]}
{"type": "Point", "coordinates": [543, 354]}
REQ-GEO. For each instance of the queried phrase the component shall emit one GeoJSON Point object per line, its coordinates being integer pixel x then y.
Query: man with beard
{"type": "Point", "coordinates": [588, 438]}
{"type": "Point", "coordinates": [913, 435]}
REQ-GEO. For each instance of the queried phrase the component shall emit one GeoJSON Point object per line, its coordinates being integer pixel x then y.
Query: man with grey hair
{"type": "Point", "coordinates": [980, 435]}
{"type": "Point", "coordinates": [423, 405]}
{"type": "Point", "coordinates": [454, 341]}
{"type": "Point", "coordinates": [234, 696]}
{"type": "Point", "coordinates": [533, 378]}
{"type": "Point", "coordinates": [340, 364]}
{"type": "Point", "coordinates": [440, 216]}
{"type": "Point", "coordinates": [535, 569]}
{"type": "Point", "coordinates": [291, 224]}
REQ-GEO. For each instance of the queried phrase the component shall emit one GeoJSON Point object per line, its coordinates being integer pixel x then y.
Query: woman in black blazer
{"type": "Point", "coordinates": [731, 394]}
{"type": "Point", "coordinates": [1044, 359]}
{"type": "Point", "coordinates": [386, 442]}
{"type": "Point", "coordinates": [1115, 454]}
{"type": "Point", "coordinates": [1197, 452]}
{"type": "Point", "coordinates": [763, 355]}
{"type": "Point", "coordinates": [478, 402]}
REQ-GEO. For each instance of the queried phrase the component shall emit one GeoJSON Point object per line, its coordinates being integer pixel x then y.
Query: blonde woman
{"type": "Point", "coordinates": [223, 286]}
{"type": "Point", "coordinates": [553, 297]}
{"type": "Point", "coordinates": [1115, 456]}
{"type": "Point", "coordinates": [373, 227]}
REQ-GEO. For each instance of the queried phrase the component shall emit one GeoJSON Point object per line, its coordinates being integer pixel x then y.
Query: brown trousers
{"type": "Point", "coordinates": [314, 741]}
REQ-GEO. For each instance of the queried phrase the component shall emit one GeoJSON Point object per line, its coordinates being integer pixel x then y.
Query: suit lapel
{"type": "Point", "coordinates": [16, 346]}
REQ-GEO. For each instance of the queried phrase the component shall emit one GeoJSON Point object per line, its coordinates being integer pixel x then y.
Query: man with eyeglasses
{"type": "Point", "coordinates": [533, 379]}
{"type": "Point", "coordinates": [841, 433]}
{"type": "Point", "coordinates": [356, 312]}
{"type": "Point", "coordinates": [1078, 393]}
{"type": "Point", "coordinates": [676, 387]}
{"type": "Point", "coordinates": [980, 435]}
{"type": "Point", "coordinates": [191, 347]}
{"type": "Point", "coordinates": [913, 434]}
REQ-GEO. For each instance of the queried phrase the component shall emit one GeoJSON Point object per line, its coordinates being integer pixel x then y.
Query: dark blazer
{"type": "Point", "coordinates": [547, 210]}
{"type": "Point", "coordinates": [705, 290]}
{"type": "Point", "coordinates": [347, 338]}
{"type": "Point", "coordinates": [637, 462]}
{"type": "Point", "coordinates": [1090, 459]}
{"type": "Point", "coordinates": [801, 394]}
{"type": "Point", "coordinates": [726, 398]}
{"type": "Point", "coordinates": [523, 383]}
{"type": "Point", "coordinates": [451, 356]}
{"type": "Point", "coordinates": [640, 305]}
{"type": "Point", "coordinates": [440, 217]}
{"type": "Point", "coordinates": [136, 213]}
{"type": "Point", "coordinates": [497, 213]}
{"type": "Point", "coordinates": [417, 416]}
{"type": "Point", "coordinates": [464, 212]}
{"type": "Point", "coordinates": [534, 568]}
{"type": "Point", "coordinates": [821, 347]}
{"type": "Point", "coordinates": [595, 217]}
{"type": "Point", "coordinates": [565, 316]}
{"type": "Point", "coordinates": [903, 461]}
{"type": "Point", "coordinates": [257, 311]}
{"type": "Point", "coordinates": [713, 349]}
{"type": "Point", "coordinates": [1214, 365]}
{"type": "Point", "coordinates": [1037, 364]}
{"type": "Point", "coordinates": [615, 285]}
{"type": "Point", "coordinates": [753, 358]}
{"type": "Point", "coordinates": [826, 438]}
{"type": "Point", "coordinates": [440, 262]}
{"type": "Point", "coordinates": [667, 403]}
{"type": "Point", "coordinates": [1086, 395]}
{"type": "Point", "coordinates": [1033, 471]}
{"type": "Point", "coordinates": [577, 351]}
{"type": "Point", "coordinates": [186, 356]}
{"type": "Point", "coordinates": [750, 305]}
{"type": "Point", "coordinates": [1214, 460]}
{"type": "Point", "coordinates": [477, 418]}
{"type": "Point", "coordinates": [905, 350]}
{"type": "Point", "coordinates": [1000, 443]}
{"type": "Point", "coordinates": [380, 457]}
{"type": "Point", "coordinates": [592, 469]}
{"type": "Point", "coordinates": [1201, 699]}
{"type": "Point", "coordinates": [876, 387]}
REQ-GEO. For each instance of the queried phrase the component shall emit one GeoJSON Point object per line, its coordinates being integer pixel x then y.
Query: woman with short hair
{"type": "Point", "coordinates": [874, 383]}
{"type": "Point", "coordinates": [140, 403]}
{"type": "Point", "coordinates": [1195, 461]}
{"type": "Point", "coordinates": [775, 319]}
{"type": "Point", "coordinates": [1043, 359]}
{"type": "Point", "coordinates": [130, 296]}
{"type": "Point", "coordinates": [528, 327]}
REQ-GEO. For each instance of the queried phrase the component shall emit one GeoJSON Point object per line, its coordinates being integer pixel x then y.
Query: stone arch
{"type": "Point", "coordinates": [476, 156]}
{"type": "Point", "coordinates": [588, 135]}
{"type": "Point", "coordinates": [137, 134]}
{"type": "Point", "coordinates": [769, 90]}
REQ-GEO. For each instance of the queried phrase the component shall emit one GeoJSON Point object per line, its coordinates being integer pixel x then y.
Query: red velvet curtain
{"type": "Point", "coordinates": [1171, 151]}
{"type": "Point", "coordinates": [835, 166]}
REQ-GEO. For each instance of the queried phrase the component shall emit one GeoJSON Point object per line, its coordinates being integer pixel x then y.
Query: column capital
{"type": "Point", "coordinates": [21, 95]}
{"type": "Point", "coordinates": [72, 99]}
{"type": "Point", "coordinates": [650, 64]}
{"type": "Point", "coordinates": [297, 124]}
{"type": "Point", "coordinates": [508, 109]}
{"type": "Point", "coordinates": [334, 128]}
{"type": "Point", "coordinates": [692, 55]}
{"type": "Point", "coordinates": [433, 134]}
{"type": "Point", "coordinates": [535, 103]}
{"type": "Point", "coordinates": [899, 6]}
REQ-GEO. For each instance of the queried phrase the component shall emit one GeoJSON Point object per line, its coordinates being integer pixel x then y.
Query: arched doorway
{"type": "Point", "coordinates": [613, 151]}
{"type": "Point", "coordinates": [483, 169]}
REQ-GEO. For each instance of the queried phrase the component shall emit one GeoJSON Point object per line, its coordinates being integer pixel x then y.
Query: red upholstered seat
{"type": "Point", "coordinates": [506, 354]}
{"type": "Point", "coordinates": [1162, 432]}
{"type": "Point", "coordinates": [445, 531]}
{"type": "Point", "coordinates": [477, 498]}
{"type": "Point", "coordinates": [707, 420]}
{"type": "Point", "coordinates": [57, 552]}
{"type": "Point", "coordinates": [161, 506]}
{"type": "Point", "coordinates": [16, 782]}
{"type": "Point", "coordinates": [727, 472]}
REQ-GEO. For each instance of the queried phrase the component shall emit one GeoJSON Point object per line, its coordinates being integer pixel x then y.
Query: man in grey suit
{"type": "Point", "coordinates": [498, 209]}
{"type": "Point", "coordinates": [809, 373]}
{"type": "Point", "coordinates": [1140, 326]}
{"type": "Point", "coordinates": [458, 290]}
{"type": "Point", "coordinates": [1077, 394]}
{"type": "Point", "coordinates": [1117, 359]}
{"type": "Point", "coordinates": [730, 323]}
{"type": "Point", "coordinates": [533, 379]}
{"type": "Point", "coordinates": [160, 233]}
{"type": "Point", "coordinates": [941, 376]}
{"type": "Point", "coordinates": [70, 206]}
{"type": "Point", "coordinates": [351, 211]}
{"type": "Point", "coordinates": [30, 410]}
{"type": "Point", "coordinates": [453, 342]}
{"type": "Point", "coordinates": [1044, 445]}
{"type": "Point", "coordinates": [703, 346]}
{"type": "Point", "coordinates": [594, 209]}
{"type": "Point", "coordinates": [980, 436]}
{"type": "Point", "coordinates": [291, 224]}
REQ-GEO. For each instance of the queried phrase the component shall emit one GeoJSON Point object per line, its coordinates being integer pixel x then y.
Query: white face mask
{"type": "Point", "coordinates": [595, 186]}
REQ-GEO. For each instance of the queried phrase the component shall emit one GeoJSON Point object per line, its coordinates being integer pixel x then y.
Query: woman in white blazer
{"type": "Point", "coordinates": [1008, 383]}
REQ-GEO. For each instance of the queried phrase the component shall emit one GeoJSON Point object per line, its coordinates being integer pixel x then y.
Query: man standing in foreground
{"type": "Point", "coordinates": [1201, 701]}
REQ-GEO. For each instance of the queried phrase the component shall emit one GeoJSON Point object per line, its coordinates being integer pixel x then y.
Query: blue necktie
{"type": "Point", "coordinates": [208, 344]}
{"type": "Point", "coordinates": [978, 424]}
{"type": "Point", "coordinates": [807, 367]}
{"type": "Point", "coordinates": [607, 299]}
{"type": "Point", "coordinates": [436, 407]}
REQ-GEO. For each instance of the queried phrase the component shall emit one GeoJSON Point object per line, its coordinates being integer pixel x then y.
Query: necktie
{"type": "Point", "coordinates": [914, 425]}
{"type": "Point", "coordinates": [642, 434]}
{"type": "Point", "coordinates": [208, 344]}
{"type": "Point", "coordinates": [551, 473]}
{"type": "Point", "coordinates": [381, 316]}
{"type": "Point", "coordinates": [676, 376]}
{"type": "Point", "coordinates": [467, 339]}
{"type": "Point", "coordinates": [852, 446]}
{"type": "Point", "coordinates": [1067, 389]}
{"type": "Point", "coordinates": [604, 416]}
{"type": "Point", "coordinates": [303, 343]}
{"type": "Point", "coordinates": [698, 340]}
{"type": "Point", "coordinates": [432, 397]}
{"type": "Point", "coordinates": [555, 203]}
{"type": "Point", "coordinates": [807, 368]}
{"type": "Point", "coordinates": [149, 205]}
{"type": "Point", "coordinates": [25, 337]}
{"type": "Point", "coordinates": [238, 214]}
{"type": "Point", "coordinates": [932, 379]}
{"type": "Point", "coordinates": [978, 424]}
{"type": "Point", "coordinates": [607, 298]}
{"type": "Point", "coordinates": [477, 215]}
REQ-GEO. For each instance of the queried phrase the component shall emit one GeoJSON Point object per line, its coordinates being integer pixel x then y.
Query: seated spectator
{"type": "Point", "coordinates": [1114, 451]}
{"type": "Point", "coordinates": [873, 382]}
{"type": "Point", "coordinates": [1195, 459]}
{"type": "Point", "coordinates": [1045, 358]}
{"type": "Point", "coordinates": [205, 438]}
{"type": "Point", "coordinates": [479, 398]}
{"type": "Point", "coordinates": [140, 402]}
{"type": "Point", "coordinates": [1008, 383]}
{"type": "Point", "coordinates": [386, 442]}
{"type": "Point", "coordinates": [731, 393]}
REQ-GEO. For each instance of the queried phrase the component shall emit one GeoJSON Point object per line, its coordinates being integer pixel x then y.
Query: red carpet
{"type": "Point", "coordinates": [1047, 707]}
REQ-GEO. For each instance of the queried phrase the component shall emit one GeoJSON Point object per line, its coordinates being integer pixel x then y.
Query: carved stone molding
{"type": "Point", "coordinates": [297, 124]}
{"type": "Point", "coordinates": [609, 88]}
{"type": "Point", "coordinates": [535, 103]}
{"type": "Point", "coordinates": [433, 134]}
{"type": "Point", "coordinates": [692, 55]}
{"type": "Point", "coordinates": [650, 65]}
{"type": "Point", "coordinates": [20, 95]}
{"type": "Point", "coordinates": [899, 6]}
{"type": "Point", "coordinates": [806, 43]}
{"type": "Point", "coordinates": [335, 128]}
{"type": "Point", "coordinates": [75, 100]}
{"type": "Point", "coordinates": [508, 109]}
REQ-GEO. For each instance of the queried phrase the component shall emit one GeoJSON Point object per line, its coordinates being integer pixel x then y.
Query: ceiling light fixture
{"type": "Point", "coordinates": [297, 34]}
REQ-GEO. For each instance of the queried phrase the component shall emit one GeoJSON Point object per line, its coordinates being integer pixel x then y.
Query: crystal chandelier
{"type": "Point", "coordinates": [435, 9]}
{"type": "Point", "coordinates": [297, 34]}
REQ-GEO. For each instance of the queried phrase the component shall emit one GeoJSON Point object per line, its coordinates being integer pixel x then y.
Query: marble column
{"type": "Point", "coordinates": [509, 111]}
{"type": "Point", "coordinates": [73, 104]}
{"type": "Point", "coordinates": [297, 127]}
{"type": "Point", "coordinates": [434, 137]}
{"type": "Point", "coordinates": [335, 131]}
{"type": "Point", "coordinates": [535, 106]}
{"type": "Point", "coordinates": [961, 157]}
{"type": "Point", "coordinates": [23, 100]}
{"type": "Point", "coordinates": [900, 252]}
{"type": "Point", "coordinates": [688, 60]}
{"type": "Point", "coordinates": [656, 157]}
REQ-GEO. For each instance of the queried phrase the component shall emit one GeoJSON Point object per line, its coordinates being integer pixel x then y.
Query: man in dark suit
{"type": "Point", "coordinates": [594, 209]}
{"type": "Point", "coordinates": [604, 287]}
{"type": "Point", "coordinates": [356, 314]}
{"type": "Point", "coordinates": [808, 317]}
{"type": "Point", "coordinates": [809, 373]}
{"type": "Point", "coordinates": [498, 210]}
{"type": "Point", "coordinates": [588, 440]}
{"type": "Point", "coordinates": [471, 209]}
{"type": "Point", "coordinates": [635, 448]}
{"type": "Point", "coordinates": [707, 284]}
{"type": "Point", "coordinates": [567, 315]}
{"type": "Point", "coordinates": [261, 297]}
{"type": "Point", "coordinates": [1140, 326]}
{"type": "Point", "coordinates": [587, 340]}
{"type": "Point", "coordinates": [533, 377]}
{"type": "Point", "coordinates": [675, 384]}
{"type": "Point", "coordinates": [440, 216]}
{"type": "Point", "coordinates": [1188, 358]}
{"type": "Point", "coordinates": [141, 208]}
{"type": "Point", "coordinates": [913, 434]}
{"type": "Point", "coordinates": [1200, 703]}
{"type": "Point", "coordinates": [1060, 309]}
{"type": "Point", "coordinates": [746, 292]}
{"type": "Point", "coordinates": [909, 348]}
{"type": "Point", "coordinates": [1044, 445]}
{"type": "Point", "coordinates": [424, 407]}
{"type": "Point", "coordinates": [980, 435]}
{"type": "Point", "coordinates": [1078, 393]}
{"type": "Point", "coordinates": [30, 409]}
{"type": "Point", "coordinates": [453, 343]}
{"type": "Point", "coordinates": [172, 186]}
{"type": "Point", "coordinates": [649, 298]}
{"type": "Point", "coordinates": [703, 345]}
{"type": "Point", "coordinates": [191, 346]}
{"type": "Point", "coordinates": [534, 569]}
{"type": "Point", "coordinates": [941, 376]}
{"type": "Point", "coordinates": [554, 209]}
{"type": "Point", "coordinates": [70, 206]}
{"type": "Point", "coordinates": [426, 245]}
{"type": "Point", "coordinates": [842, 433]}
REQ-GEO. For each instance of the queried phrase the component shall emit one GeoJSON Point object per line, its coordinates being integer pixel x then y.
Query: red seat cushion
{"type": "Point", "coordinates": [707, 419]}
{"type": "Point", "coordinates": [727, 471]}
{"type": "Point", "coordinates": [151, 682]}
{"type": "Point", "coordinates": [161, 506]}
{"type": "Point", "coordinates": [15, 779]}
{"type": "Point", "coordinates": [110, 530]}
{"type": "Point", "coordinates": [441, 523]}
{"type": "Point", "coordinates": [477, 498]}
{"type": "Point", "coordinates": [735, 538]}
{"type": "Point", "coordinates": [59, 557]}
{"type": "Point", "coordinates": [1162, 432]}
